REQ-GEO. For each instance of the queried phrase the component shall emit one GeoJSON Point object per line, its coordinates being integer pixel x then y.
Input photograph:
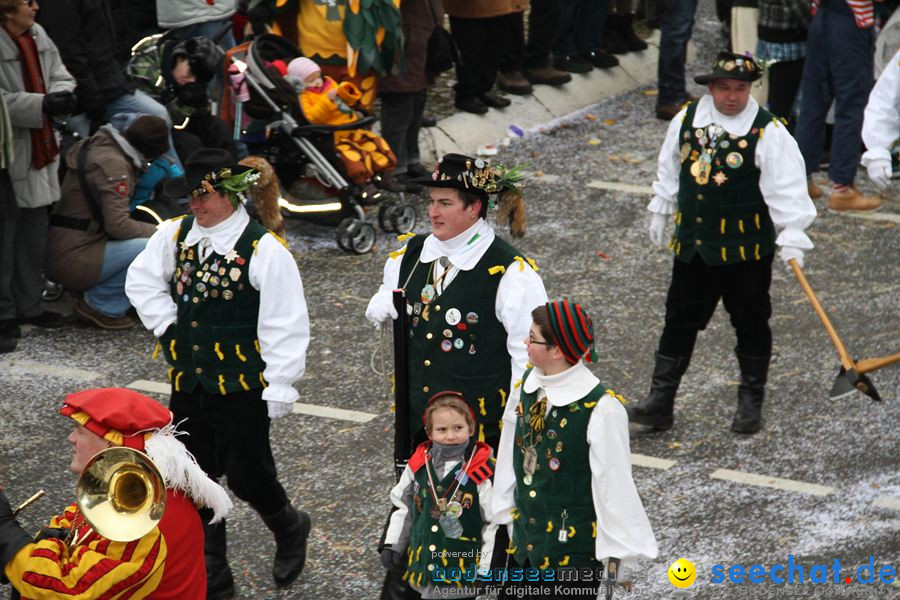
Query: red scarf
{"type": "Point", "coordinates": [43, 142]}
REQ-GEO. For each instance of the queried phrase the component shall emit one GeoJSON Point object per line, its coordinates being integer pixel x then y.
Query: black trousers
{"type": "Point", "coordinates": [694, 293]}
{"type": "Point", "coordinates": [543, 25]}
{"type": "Point", "coordinates": [784, 81]}
{"type": "Point", "coordinates": [401, 120]}
{"type": "Point", "coordinates": [481, 43]}
{"type": "Point", "coordinates": [229, 435]}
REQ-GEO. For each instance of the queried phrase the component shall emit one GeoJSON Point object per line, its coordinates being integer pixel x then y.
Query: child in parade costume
{"type": "Point", "coordinates": [326, 102]}
{"type": "Point", "coordinates": [443, 501]}
{"type": "Point", "coordinates": [563, 481]}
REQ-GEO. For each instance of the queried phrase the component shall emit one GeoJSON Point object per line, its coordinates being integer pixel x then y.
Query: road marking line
{"type": "Point", "coordinates": [154, 387]}
{"type": "Point", "coordinates": [651, 462]}
{"type": "Point", "coordinates": [28, 367]}
{"type": "Point", "coordinates": [771, 482]}
{"type": "Point", "coordinates": [888, 502]}
{"type": "Point", "coordinates": [874, 216]}
{"type": "Point", "coordinates": [620, 187]}
{"type": "Point", "coordinates": [332, 413]}
{"type": "Point", "coordinates": [545, 178]}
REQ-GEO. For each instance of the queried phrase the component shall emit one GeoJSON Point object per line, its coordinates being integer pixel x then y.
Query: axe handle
{"type": "Point", "coordinates": [846, 361]}
{"type": "Point", "coordinates": [872, 364]}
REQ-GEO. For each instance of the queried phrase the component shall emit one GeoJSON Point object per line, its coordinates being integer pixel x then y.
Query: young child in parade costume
{"type": "Point", "coordinates": [563, 481]}
{"type": "Point", "coordinates": [323, 101]}
{"type": "Point", "coordinates": [443, 501]}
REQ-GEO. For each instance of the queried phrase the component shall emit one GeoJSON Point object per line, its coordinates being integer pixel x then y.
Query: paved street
{"type": "Point", "coordinates": [821, 482]}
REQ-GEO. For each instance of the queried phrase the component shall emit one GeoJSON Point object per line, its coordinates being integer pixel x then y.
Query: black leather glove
{"type": "Point", "coordinates": [193, 95]}
{"type": "Point", "coordinates": [12, 537]}
{"type": "Point", "coordinates": [59, 104]}
{"type": "Point", "coordinates": [391, 559]}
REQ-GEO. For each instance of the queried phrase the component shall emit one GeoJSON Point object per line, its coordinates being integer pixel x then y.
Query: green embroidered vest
{"type": "Point", "coordinates": [214, 342]}
{"type": "Point", "coordinates": [559, 494]}
{"type": "Point", "coordinates": [458, 343]}
{"type": "Point", "coordinates": [433, 558]}
{"type": "Point", "coordinates": [721, 213]}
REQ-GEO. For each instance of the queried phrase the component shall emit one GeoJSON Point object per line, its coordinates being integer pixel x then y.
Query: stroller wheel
{"type": "Point", "coordinates": [403, 218]}
{"type": "Point", "coordinates": [355, 236]}
{"type": "Point", "coordinates": [385, 216]}
{"type": "Point", "coordinates": [52, 291]}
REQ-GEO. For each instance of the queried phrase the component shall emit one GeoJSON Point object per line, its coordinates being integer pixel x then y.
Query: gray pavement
{"type": "Point", "coordinates": [591, 244]}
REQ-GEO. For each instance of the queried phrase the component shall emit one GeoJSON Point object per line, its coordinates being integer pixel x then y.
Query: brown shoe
{"type": "Point", "coordinates": [514, 83]}
{"type": "Point", "coordinates": [853, 199]}
{"type": "Point", "coordinates": [667, 112]}
{"type": "Point", "coordinates": [546, 75]}
{"type": "Point", "coordinates": [84, 312]}
{"type": "Point", "coordinates": [815, 192]}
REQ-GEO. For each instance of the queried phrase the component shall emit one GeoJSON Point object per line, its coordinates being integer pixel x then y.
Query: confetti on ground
{"type": "Point", "coordinates": [609, 121]}
{"type": "Point", "coordinates": [593, 141]}
{"type": "Point", "coordinates": [590, 117]}
{"type": "Point", "coordinates": [651, 93]}
{"type": "Point", "coordinates": [615, 157]}
{"type": "Point", "coordinates": [538, 173]}
{"type": "Point", "coordinates": [603, 255]}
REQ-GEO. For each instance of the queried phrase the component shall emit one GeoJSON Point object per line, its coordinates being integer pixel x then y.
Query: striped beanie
{"type": "Point", "coordinates": [572, 330]}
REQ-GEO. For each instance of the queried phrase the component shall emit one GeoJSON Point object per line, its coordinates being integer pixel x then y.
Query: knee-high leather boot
{"type": "Point", "coordinates": [291, 528]}
{"type": "Point", "coordinates": [754, 372]}
{"type": "Point", "coordinates": [219, 582]}
{"type": "Point", "coordinates": [657, 410]}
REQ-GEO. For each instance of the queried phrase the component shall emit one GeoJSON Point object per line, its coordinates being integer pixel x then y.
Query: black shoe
{"type": "Point", "coordinates": [428, 121]}
{"type": "Point", "coordinates": [219, 581]}
{"type": "Point", "coordinates": [471, 104]}
{"type": "Point", "coordinates": [47, 319]}
{"type": "Point", "coordinates": [546, 75]}
{"type": "Point", "coordinates": [611, 41]}
{"type": "Point", "coordinates": [10, 328]}
{"type": "Point", "coordinates": [291, 528]}
{"type": "Point", "coordinates": [8, 343]}
{"type": "Point", "coordinates": [417, 170]}
{"type": "Point", "coordinates": [573, 64]}
{"type": "Point", "coordinates": [494, 101]}
{"type": "Point", "coordinates": [751, 391]}
{"type": "Point", "coordinates": [389, 183]}
{"type": "Point", "coordinates": [657, 410]}
{"type": "Point", "coordinates": [409, 186]}
{"type": "Point", "coordinates": [624, 25]}
{"type": "Point", "coordinates": [601, 59]}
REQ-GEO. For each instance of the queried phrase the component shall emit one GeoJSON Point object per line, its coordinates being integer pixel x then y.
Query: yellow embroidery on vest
{"type": "Point", "coordinates": [722, 227]}
{"type": "Point", "coordinates": [256, 345]}
{"type": "Point", "coordinates": [497, 269]}
{"type": "Point", "coordinates": [277, 237]}
{"type": "Point", "coordinates": [255, 243]}
{"type": "Point", "coordinates": [397, 253]}
{"type": "Point", "coordinates": [462, 565]}
{"type": "Point", "coordinates": [218, 351]}
{"type": "Point", "coordinates": [743, 254]}
{"type": "Point", "coordinates": [243, 382]}
{"type": "Point", "coordinates": [678, 218]}
{"type": "Point", "coordinates": [571, 532]}
{"type": "Point", "coordinates": [549, 526]}
{"type": "Point", "coordinates": [222, 385]}
{"type": "Point", "coordinates": [405, 236]}
{"type": "Point", "coordinates": [418, 552]}
{"type": "Point", "coordinates": [481, 432]}
{"type": "Point", "coordinates": [172, 350]}
{"type": "Point", "coordinates": [481, 407]}
{"type": "Point", "coordinates": [594, 529]}
{"type": "Point", "coordinates": [564, 561]}
{"type": "Point", "coordinates": [521, 262]}
{"type": "Point", "coordinates": [678, 248]}
{"type": "Point", "coordinates": [156, 349]}
{"type": "Point", "coordinates": [756, 220]}
{"type": "Point", "coordinates": [237, 351]}
{"type": "Point", "coordinates": [591, 404]}
{"type": "Point", "coordinates": [756, 252]}
{"type": "Point", "coordinates": [512, 549]}
{"type": "Point", "coordinates": [532, 264]}
{"type": "Point", "coordinates": [263, 381]}
{"type": "Point", "coordinates": [724, 255]}
{"type": "Point", "coordinates": [502, 398]}
{"type": "Point", "coordinates": [741, 225]}
{"type": "Point", "coordinates": [517, 383]}
{"type": "Point", "coordinates": [178, 381]}
{"type": "Point", "coordinates": [444, 558]}
{"type": "Point", "coordinates": [169, 372]}
{"type": "Point", "coordinates": [546, 563]}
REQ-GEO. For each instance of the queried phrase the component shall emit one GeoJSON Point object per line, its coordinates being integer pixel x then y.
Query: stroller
{"type": "Point", "coordinates": [303, 154]}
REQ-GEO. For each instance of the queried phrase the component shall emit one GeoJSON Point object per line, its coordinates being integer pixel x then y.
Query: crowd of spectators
{"type": "Point", "coordinates": [87, 68]}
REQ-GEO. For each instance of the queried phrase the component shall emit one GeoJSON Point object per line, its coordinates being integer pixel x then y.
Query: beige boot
{"type": "Point", "coordinates": [853, 199]}
{"type": "Point", "coordinates": [815, 192]}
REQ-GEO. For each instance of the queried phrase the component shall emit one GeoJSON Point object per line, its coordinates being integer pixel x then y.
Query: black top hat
{"type": "Point", "coordinates": [214, 165]}
{"type": "Point", "coordinates": [732, 66]}
{"type": "Point", "coordinates": [464, 173]}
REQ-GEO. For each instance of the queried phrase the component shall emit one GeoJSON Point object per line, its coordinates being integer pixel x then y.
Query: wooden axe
{"type": "Point", "coordinates": [851, 377]}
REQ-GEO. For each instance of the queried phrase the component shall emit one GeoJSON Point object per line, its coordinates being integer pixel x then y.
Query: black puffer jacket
{"type": "Point", "coordinates": [84, 33]}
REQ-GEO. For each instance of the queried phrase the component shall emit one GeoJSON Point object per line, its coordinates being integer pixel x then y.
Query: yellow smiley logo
{"type": "Point", "coordinates": [682, 573]}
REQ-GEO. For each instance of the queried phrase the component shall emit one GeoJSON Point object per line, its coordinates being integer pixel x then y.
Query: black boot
{"type": "Point", "coordinates": [626, 33]}
{"type": "Point", "coordinates": [754, 371]}
{"type": "Point", "coordinates": [291, 528]}
{"type": "Point", "coordinates": [656, 411]}
{"type": "Point", "coordinates": [219, 582]}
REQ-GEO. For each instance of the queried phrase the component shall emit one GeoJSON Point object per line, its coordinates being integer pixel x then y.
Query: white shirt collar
{"type": "Point", "coordinates": [571, 385]}
{"type": "Point", "coordinates": [738, 124]}
{"type": "Point", "coordinates": [223, 236]}
{"type": "Point", "coordinates": [463, 250]}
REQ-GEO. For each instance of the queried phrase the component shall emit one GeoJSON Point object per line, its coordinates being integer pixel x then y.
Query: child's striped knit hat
{"type": "Point", "coordinates": [573, 331]}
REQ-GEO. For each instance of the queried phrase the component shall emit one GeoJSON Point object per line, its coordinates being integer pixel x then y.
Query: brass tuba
{"type": "Point", "coordinates": [121, 494]}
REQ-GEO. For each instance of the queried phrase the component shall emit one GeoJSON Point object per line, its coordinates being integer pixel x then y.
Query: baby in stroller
{"type": "Point", "coordinates": [324, 102]}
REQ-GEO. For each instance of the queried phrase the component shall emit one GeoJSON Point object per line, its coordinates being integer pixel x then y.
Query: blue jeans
{"type": "Point", "coordinates": [675, 25]}
{"type": "Point", "coordinates": [580, 25]}
{"type": "Point", "coordinates": [838, 67]}
{"type": "Point", "coordinates": [108, 297]}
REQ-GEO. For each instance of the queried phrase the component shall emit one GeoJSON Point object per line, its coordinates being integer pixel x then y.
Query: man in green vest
{"type": "Point", "coordinates": [729, 173]}
{"type": "Point", "coordinates": [563, 481]}
{"type": "Point", "coordinates": [224, 296]}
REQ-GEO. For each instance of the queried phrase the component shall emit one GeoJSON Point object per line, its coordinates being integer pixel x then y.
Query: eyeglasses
{"type": "Point", "coordinates": [531, 340]}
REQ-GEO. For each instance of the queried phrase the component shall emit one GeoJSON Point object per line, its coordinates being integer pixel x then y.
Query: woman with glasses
{"type": "Point", "coordinates": [36, 88]}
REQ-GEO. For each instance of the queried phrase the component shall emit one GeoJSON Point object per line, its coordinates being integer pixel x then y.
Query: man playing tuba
{"type": "Point", "coordinates": [71, 559]}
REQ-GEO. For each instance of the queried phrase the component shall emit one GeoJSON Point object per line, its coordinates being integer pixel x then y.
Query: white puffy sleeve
{"type": "Point", "coordinates": [148, 277]}
{"type": "Point", "coordinates": [881, 120]}
{"type": "Point", "coordinates": [665, 188]}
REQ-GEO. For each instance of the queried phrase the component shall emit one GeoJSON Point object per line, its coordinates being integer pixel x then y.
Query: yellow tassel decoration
{"type": "Point", "coordinates": [546, 563]}
{"type": "Point", "coordinates": [222, 385]}
{"type": "Point", "coordinates": [502, 398]}
{"type": "Point", "coordinates": [741, 225]}
{"type": "Point", "coordinates": [756, 252]}
{"type": "Point", "coordinates": [405, 236]}
{"type": "Point", "coordinates": [497, 269]}
{"type": "Point", "coordinates": [169, 372]}
{"type": "Point", "coordinates": [481, 432]}
{"type": "Point", "coordinates": [594, 529]}
{"type": "Point", "coordinates": [743, 254]}
{"type": "Point", "coordinates": [172, 350]}
{"type": "Point", "coordinates": [243, 382]}
{"type": "Point", "coordinates": [256, 345]}
{"type": "Point", "coordinates": [178, 381]}
{"type": "Point", "coordinates": [481, 407]}
{"type": "Point", "coordinates": [549, 526]}
{"type": "Point", "coordinates": [564, 561]}
{"type": "Point", "coordinates": [263, 381]}
{"type": "Point", "coordinates": [722, 227]}
{"type": "Point", "coordinates": [218, 351]}
{"type": "Point", "coordinates": [724, 255]}
{"type": "Point", "coordinates": [397, 253]}
{"type": "Point", "coordinates": [571, 532]}
{"type": "Point", "coordinates": [237, 351]}
{"type": "Point", "coordinates": [756, 220]}
{"type": "Point", "coordinates": [521, 262]}
{"type": "Point", "coordinates": [532, 264]}
{"type": "Point", "coordinates": [156, 350]}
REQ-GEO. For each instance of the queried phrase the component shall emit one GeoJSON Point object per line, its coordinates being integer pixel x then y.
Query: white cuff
{"type": "Point", "coordinates": [660, 205]}
{"type": "Point", "coordinates": [280, 392]}
{"type": "Point", "coordinates": [796, 237]}
{"type": "Point", "coordinates": [874, 155]}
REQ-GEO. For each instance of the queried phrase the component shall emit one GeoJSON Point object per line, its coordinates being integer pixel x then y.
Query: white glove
{"type": "Point", "coordinates": [279, 409]}
{"type": "Point", "coordinates": [658, 225]}
{"type": "Point", "coordinates": [880, 173]}
{"type": "Point", "coordinates": [789, 252]}
{"type": "Point", "coordinates": [381, 309]}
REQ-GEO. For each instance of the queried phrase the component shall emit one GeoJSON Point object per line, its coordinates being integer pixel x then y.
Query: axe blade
{"type": "Point", "coordinates": [848, 382]}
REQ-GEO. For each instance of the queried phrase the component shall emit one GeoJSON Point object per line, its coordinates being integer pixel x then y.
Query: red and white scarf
{"type": "Point", "coordinates": [863, 11]}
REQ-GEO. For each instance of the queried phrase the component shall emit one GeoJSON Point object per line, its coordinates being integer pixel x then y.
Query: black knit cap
{"type": "Point", "coordinates": [149, 135]}
{"type": "Point", "coordinates": [729, 65]}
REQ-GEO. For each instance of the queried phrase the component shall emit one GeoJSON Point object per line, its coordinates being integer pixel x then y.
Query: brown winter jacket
{"type": "Point", "coordinates": [418, 23]}
{"type": "Point", "coordinates": [483, 9]}
{"type": "Point", "coordinates": [75, 257]}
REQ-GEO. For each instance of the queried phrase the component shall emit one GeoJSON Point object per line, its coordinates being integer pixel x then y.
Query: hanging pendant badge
{"type": "Point", "coordinates": [451, 526]}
